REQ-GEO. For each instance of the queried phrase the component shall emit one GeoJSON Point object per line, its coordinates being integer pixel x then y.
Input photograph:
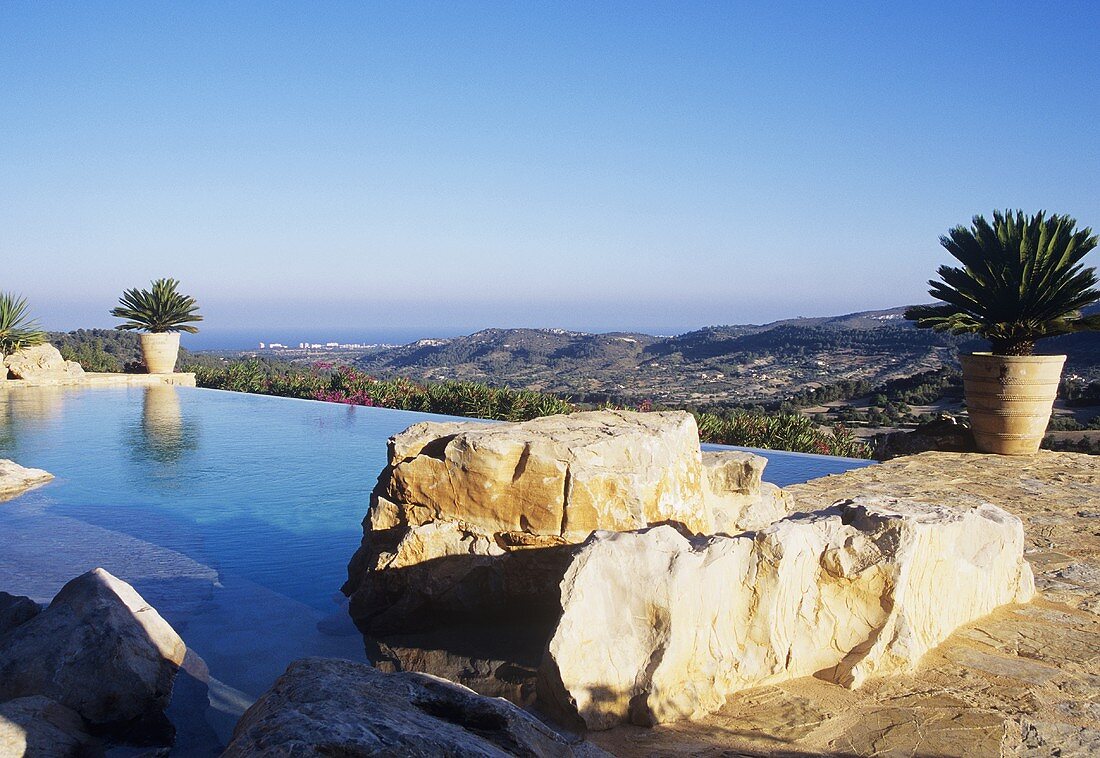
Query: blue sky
{"type": "Point", "coordinates": [646, 165]}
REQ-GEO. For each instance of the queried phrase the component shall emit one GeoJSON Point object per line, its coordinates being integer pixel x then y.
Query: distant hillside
{"type": "Point", "coordinates": [716, 365]}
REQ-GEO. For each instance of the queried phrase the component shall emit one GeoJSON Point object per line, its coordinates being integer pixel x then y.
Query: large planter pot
{"type": "Point", "coordinates": [1009, 399]}
{"type": "Point", "coordinates": [160, 351]}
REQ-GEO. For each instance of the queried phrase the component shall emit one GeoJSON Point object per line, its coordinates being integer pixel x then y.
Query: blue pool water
{"type": "Point", "coordinates": [235, 515]}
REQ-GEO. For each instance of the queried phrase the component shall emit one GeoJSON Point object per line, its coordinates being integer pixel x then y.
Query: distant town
{"type": "Point", "coordinates": [324, 346]}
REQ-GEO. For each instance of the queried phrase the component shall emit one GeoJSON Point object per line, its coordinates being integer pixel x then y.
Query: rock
{"type": "Point", "coordinates": [1040, 738]}
{"type": "Point", "coordinates": [657, 627]}
{"type": "Point", "coordinates": [558, 475]}
{"type": "Point", "coordinates": [955, 703]}
{"type": "Point", "coordinates": [41, 728]}
{"type": "Point", "coordinates": [14, 610]}
{"type": "Point", "coordinates": [43, 364]}
{"type": "Point", "coordinates": [16, 479]}
{"type": "Point", "coordinates": [476, 518]}
{"type": "Point", "coordinates": [944, 433]}
{"type": "Point", "coordinates": [735, 497]}
{"type": "Point", "coordinates": [335, 707]}
{"type": "Point", "coordinates": [98, 649]}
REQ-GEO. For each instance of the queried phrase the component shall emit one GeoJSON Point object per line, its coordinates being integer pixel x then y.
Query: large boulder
{"type": "Point", "coordinates": [43, 364]}
{"type": "Point", "coordinates": [98, 649]}
{"type": "Point", "coordinates": [38, 727]}
{"type": "Point", "coordinates": [15, 610]}
{"type": "Point", "coordinates": [334, 707]}
{"type": "Point", "coordinates": [478, 518]}
{"type": "Point", "coordinates": [16, 479]}
{"type": "Point", "coordinates": [657, 626]}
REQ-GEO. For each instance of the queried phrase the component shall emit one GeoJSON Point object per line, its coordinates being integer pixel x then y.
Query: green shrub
{"type": "Point", "coordinates": [470, 399]}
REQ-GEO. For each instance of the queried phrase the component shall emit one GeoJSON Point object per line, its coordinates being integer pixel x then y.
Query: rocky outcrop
{"type": "Point", "coordinates": [945, 433]}
{"type": "Point", "coordinates": [335, 707]}
{"type": "Point", "coordinates": [15, 610]}
{"type": "Point", "coordinates": [16, 479]}
{"type": "Point", "coordinates": [98, 649]}
{"type": "Point", "coordinates": [38, 727]}
{"type": "Point", "coordinates": [657, 626]}
{"type": "Point", "coordinates": [478, 518]}
{"type": "Point", "coordinates": [43, 364]}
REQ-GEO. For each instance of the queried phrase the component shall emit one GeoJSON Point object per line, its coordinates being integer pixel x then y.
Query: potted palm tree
{"type": "Point", "coordinates": [161, 313]}
{"type": "Point", "coordinates": [17, 328]}
{"type": "Point", "coordinates": [1021, 281]}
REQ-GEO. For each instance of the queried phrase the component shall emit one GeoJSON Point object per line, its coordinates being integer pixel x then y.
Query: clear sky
{"type": "Point", "coordinates": [638, 165]}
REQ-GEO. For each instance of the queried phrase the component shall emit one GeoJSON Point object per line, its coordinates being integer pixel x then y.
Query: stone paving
{"type": "Point", "coordinates": [1023, 681]}
{"type": "Point", "coordinates": [105, 380]}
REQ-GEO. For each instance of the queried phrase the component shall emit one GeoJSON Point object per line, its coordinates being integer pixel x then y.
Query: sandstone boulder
{"type": "Point", "coordinates": [335, 707]}
{"type": "Point", "coordinates": [735, 498]}
{"type": "Point", "coordinates": [38, 727]}
{"type": "Point", "coordinates": [43, 364]}
{"type": "Point", "coordinates": [98, 649]}
{"type": "Point", "coordinates": [15, 610]}
{"type": "Point", "coordinates": [561, 476]}
{"type": "Point", "coordinates": [658, 627]}
{"type": "Point", "coordinates": [16, 479]}
{"type": "Point", "coordinates": [476, 517]}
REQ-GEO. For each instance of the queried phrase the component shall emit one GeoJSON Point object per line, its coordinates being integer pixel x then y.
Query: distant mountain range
{"type": "Point", "coordinates": [714, 365]}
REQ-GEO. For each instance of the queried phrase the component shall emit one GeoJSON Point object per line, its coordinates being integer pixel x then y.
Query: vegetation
{"type": "Point", "coordinates": [782, 431]}
{"type": "Point", "coordinates": [1021, 281]}
{"type": "Point", "coordinates": [161, 309]}
{"type": "Point", "coordinates": [101, 350]}
{"type": "Point", "coordinates": [344, 384]}
{"type": "Point", "coordinates": [17, 328]}
{"type": "Point", "coordinates": [1082, 445]}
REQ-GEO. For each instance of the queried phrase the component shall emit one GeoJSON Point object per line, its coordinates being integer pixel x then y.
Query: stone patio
{"type": "Point", "coordinates": [109, 380]}
{"type": "Point", "coordinates": [1023, 681]}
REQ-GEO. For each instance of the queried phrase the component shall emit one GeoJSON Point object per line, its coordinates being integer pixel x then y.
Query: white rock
{"type": "Point", "coordinates": [657, 627]}
{"type": "Point", "coordinates": [16, 479]}
{"type": "Point", "coordinates": [478, 518]}
{"type": "Point", "coordinates": [734, 496]}
{"type": "Point", "coordinates": [43, 364]}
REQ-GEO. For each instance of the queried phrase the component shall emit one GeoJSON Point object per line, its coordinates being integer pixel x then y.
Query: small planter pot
{"type": "Point", "coordinates": [1009, 399]}
{"type": "Point", "coordinates": [160, 351]}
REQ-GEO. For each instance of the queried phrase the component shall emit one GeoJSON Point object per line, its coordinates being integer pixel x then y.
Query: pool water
{"type": "Point", "coordinates": [234, 515]}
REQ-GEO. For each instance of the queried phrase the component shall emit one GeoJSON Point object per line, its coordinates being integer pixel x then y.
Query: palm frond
{"type": "Point", "coordinates": [17, 328]}
{"type": "Point", "coordinates": [161, 309]}
{"type": "Point", "coordinates": [1021, 279]}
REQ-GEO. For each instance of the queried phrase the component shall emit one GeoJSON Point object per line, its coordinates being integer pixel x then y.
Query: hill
{"type": "Point", "coordinates": [714, 366]}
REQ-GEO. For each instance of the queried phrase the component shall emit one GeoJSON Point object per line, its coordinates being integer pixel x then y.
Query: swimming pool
{"type": "Point", "coordinates": [234, 515]}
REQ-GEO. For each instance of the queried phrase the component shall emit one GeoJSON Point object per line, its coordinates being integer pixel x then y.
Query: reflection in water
{"type": "Point", "coordinates": [166, 437]}
{"type": "Point", "coordinates": [498, 660]}
{"type": "Point", "coordinates": [20, 406]}
{"type": "Point", "coordinates": [39, 404]}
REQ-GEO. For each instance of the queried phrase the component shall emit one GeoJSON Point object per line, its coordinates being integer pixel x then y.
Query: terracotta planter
{"type": "Point", "coordinates": [160, 351]}
{"type": "Point", "coordinates": [1009, 399]}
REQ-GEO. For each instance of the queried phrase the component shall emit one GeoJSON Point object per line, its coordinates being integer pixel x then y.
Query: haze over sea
{"type": "Point", "coordinates": [249, 339]}
{"type": "Point", "coordinates": [246, 339]}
